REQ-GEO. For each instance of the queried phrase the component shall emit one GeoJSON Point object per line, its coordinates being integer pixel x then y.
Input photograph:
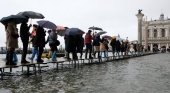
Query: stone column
{"type": "Point", "coordinates": [159, 46]}
{"type": "Point", "coordinates": [167, 32]}
{"type": "Point", "coordinates": [140, 17]}
{"type": "Point", "coordinates": [151, 47]}
{"type": "Point", "coordinates": [167, 45]}
{"type": "Point", "coordinates": [146, 35]}
{"type": "Point", "coordinates": [151, 32]}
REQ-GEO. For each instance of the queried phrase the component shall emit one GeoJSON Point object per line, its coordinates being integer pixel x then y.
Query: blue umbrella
{"type": "Point", "coordinates": [13, 18]}
{"type": "Point", "coordinates": [74, 31]}
{"type": "Point", "coordinates": [47, 24]}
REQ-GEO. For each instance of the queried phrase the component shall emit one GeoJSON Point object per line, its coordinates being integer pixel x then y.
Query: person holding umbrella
{"type": "Point", "coordinates": [10, 23]}
{"type": "Point", "coordinates": [88, 43]}
{"type": "Point", "coordinates": [12, 41]}
{"type": "Point", "coordinates": [39, 42]}
{"type": "Point", "coordinates": [53, 43]}
{"type": "Point", "coordinates": [24, 34]}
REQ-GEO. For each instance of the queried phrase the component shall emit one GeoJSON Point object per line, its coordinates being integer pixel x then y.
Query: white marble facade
{"type": "Point", "coordinates": [158, 32]}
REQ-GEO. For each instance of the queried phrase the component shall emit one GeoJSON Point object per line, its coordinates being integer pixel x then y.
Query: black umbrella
{"type": "Point", "coordinates": [74, 31]}
{"type": "Point", "coordinates": [95, 28]}
{"type": "Point", "coordinates": [47, 24]}
{"type": "Point", "coordinates": [32, 14]}
{"type": "Point", "coordinates": [13, 18]}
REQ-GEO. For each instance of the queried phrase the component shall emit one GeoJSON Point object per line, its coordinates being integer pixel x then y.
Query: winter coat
{"type": "Point", "coordinates": [39, 39]}
{"type": "Point", "coordinates": [12, 36]}
{"type": "Point", "coordinates": [103, 45]}
{"type": "Point", "coordinates": [52, 37]}
{"type": "Point", "coordinates": [80, 43]}
{"type": "Point", "coordinates": [97, 41]}
{"type": "Point", "coordinates": [71, 44]}
{"type": "Point", "coordinates": [88, 38]}
{"type": "Point", "coordinates": [24, 32]}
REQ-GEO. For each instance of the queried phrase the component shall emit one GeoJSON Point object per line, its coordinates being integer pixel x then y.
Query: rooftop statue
{"type": "Point", "coordinates": [139, 11]}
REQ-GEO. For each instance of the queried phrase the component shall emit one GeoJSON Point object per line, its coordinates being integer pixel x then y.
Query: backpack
{"type": "Point", "coordinates": [57, 42]}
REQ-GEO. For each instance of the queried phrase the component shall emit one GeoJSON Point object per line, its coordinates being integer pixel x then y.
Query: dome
{"type": "Point", "coordinates": [161, 17]}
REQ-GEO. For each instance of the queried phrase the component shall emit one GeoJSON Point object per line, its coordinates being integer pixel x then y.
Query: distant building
{"type": "Point", "coordinates": [156, 33]}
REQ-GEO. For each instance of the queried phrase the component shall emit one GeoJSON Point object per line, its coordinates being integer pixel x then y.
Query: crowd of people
{"type": "Point", "coordinates": [38, 41]}
{"type": "Point", "coordinates": [94, 44]}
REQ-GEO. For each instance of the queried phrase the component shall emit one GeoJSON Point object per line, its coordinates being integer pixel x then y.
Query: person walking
{"type": "Point", "coordinates": [12, 42]}
{"type": "Point", "coordinates": [113, 45]}
{"type": "Point", "coordinates": [34, 47]}
{"type": "Point", "coordinates": [53, 43]}
{"type": "Point", "coordinates": [80, 45]}
{"type": "Point", "coordinates": [88, 43]}
{"type": "Point", "coordinates": [24, 34]}
{"type": "Point", "coordinates": [40, 42]}
{"type": "Point", "coordinates": [96, 44]}
{"type": "Point", "coordinates": [103, 47]}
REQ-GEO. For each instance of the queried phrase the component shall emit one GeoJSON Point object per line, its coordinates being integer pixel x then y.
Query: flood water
{"type": "Point", "coordinates": [146, 74]}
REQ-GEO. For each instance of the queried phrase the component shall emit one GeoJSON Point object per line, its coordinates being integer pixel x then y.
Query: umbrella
{"type": "Point", "coordinates": [102, 32]}
{"type": "Point", "coordinates": [46, 24]}
{"type": "Point", "coordinates": [61, 30]}
{"type": "Point", "coordinates": [107, 37]}
{"type": "Point", "coordinates": [31, 14]}
{"type": "Point", "coordinates": [95, 28]}
{"type": "Point", "coordinates": [13, 18]}
{"type": "Point", "coordinates": [74, 31]}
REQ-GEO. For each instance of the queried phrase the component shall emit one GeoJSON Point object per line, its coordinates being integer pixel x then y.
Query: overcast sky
{"type": "Point", "coordinates": [114, 16]}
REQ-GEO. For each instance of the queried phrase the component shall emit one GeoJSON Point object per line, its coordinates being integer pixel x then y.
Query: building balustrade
{"type": "Point", "coordinates": [159, 38]}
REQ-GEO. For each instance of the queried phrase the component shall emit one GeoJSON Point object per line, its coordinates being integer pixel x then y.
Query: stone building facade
{"type": "Point", "coordinates": [156, 33]}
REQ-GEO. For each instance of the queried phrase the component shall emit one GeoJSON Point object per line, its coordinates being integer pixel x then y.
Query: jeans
{"type": "Point", "coordinates": [34, 52]}
{"type": "Point", "coordinates": [54, 56]}
{"type": "Point", "coordinates": [15, 58]}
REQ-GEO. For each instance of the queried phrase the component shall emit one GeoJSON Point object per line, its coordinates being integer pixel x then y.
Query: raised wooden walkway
{"type": "Point", "coordinates": [37, 67]}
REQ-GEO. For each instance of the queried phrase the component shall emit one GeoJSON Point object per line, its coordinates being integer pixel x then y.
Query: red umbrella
{"type": "Point", "coordinates": [61, 30]}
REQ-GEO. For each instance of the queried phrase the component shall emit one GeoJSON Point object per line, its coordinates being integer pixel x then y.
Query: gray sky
{"type": "Point", "coordinates": [114, 16]}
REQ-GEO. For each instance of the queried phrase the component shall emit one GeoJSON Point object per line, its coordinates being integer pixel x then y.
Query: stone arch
{"type": "Point", "coordinates": [155, 48]}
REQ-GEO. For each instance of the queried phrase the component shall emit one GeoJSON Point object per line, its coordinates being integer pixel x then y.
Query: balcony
{"type": "Point", "coordinates": [159, 38]}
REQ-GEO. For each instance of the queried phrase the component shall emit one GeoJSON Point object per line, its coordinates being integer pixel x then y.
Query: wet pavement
{"type": "Point", "coordinates": [146, 74]}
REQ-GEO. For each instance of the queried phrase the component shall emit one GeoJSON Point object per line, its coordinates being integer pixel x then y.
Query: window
{"type": "Point", "coordinates": [163, 32]}
{"type": "Point", "coordinates": [148, 33]}
{"type": "Point", "coordinates": [155, 33]}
